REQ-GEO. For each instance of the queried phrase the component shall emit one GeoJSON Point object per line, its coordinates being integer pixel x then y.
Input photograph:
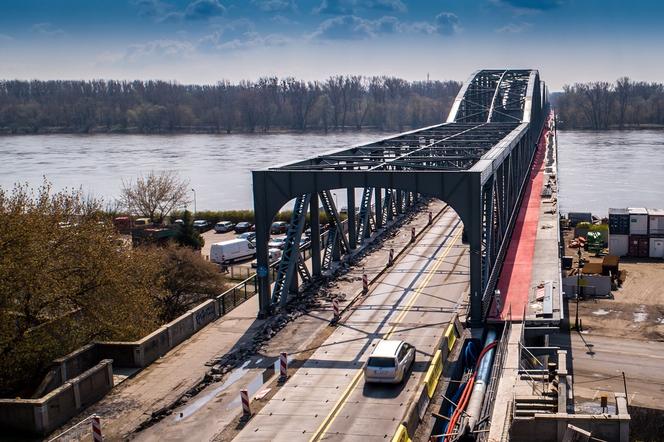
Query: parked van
{"type": "Point", "coordinates": [232, 250]}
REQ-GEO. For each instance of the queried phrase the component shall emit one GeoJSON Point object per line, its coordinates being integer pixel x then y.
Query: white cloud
{"type": "Point", "coordinates": [387, 5]}
{"type": "Point", "coordinates": [514, 28]}
{"type": "Point", "coordinates": [446, 23]}
{"type": "Point", "coordinates": [275, 5]}
{"type": "Point", "coordinates": [5, 38]}
{"type": "Point", "coordinates": [47, 29]}
{"type": "Point", "coordinates": [153, 50]}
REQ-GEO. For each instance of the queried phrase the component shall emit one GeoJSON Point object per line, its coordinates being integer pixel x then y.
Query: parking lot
{"type": "Point", "coordinates": [212, 237]}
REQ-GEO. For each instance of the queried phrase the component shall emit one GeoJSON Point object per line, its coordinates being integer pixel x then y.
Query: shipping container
{"type": "Point", "coordinates": [579, 217]}
{"type": "Point", "coordinates": [619, 245]}
{"type": "Point", "coordinates": [619, 221]}
{"type": "Point", "coordinates": [656, 222]}
{"type": "Point", "coordinates": [638, 221]}
{"type": "Point", "coordinates": [657, 247]}
{"type": "Point", "coordinates": [639, 246]}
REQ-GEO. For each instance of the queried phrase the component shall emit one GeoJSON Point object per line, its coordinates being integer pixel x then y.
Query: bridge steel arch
{"type": "Point", "coordinates": [477, 162]}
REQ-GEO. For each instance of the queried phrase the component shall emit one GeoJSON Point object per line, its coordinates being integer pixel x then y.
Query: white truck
{"type": "Point", "coordinates": [226, 252]}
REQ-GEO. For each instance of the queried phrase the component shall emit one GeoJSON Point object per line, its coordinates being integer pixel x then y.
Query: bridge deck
{"type": "Point", "coordinates": [327, 397]}
{"type": "Point", "coordinates": [532, 257]}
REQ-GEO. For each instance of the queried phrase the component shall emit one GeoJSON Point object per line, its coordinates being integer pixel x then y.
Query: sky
{"type": "Point", "coordinates": [206, 41]}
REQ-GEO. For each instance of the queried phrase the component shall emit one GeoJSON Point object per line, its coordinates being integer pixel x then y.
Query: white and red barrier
{"type": "Point", "coordinates": [430, 218]}
{"type": "Point", "coordinates": [412, 234]}
{"type": "Point", "coordinates": [246, 406]}
{"type": "Point", "coordinates": [390, 258]}
{"type": "Point", "coordinates": [335, 309]}
{"type": "Point", "coordinates": [96, 429]}
{"type": "Point", "coordinates": [365, 284]}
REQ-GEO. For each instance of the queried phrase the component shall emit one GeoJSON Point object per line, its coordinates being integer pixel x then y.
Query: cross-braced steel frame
{"type": "Point", "coordinates": [477, 162]}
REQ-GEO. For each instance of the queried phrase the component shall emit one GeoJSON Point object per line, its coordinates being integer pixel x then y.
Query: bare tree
{"type": "Point", "coordinates": [155, 195]}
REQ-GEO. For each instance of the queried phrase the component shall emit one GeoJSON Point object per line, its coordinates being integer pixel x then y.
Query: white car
{"type": "Point", "coordinates": [389, 362]}
{"type": "Point", "coordinates": [277, 242]}
{"type": "Point", "coordinates": [273, 255]}
{"type": "Point", "coordinates": [223, 226]}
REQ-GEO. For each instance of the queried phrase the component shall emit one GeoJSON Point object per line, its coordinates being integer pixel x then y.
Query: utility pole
{"type": "Point", "coordinates": [194, 190]}
{"type": "Point", "coordinates": [578, 289]}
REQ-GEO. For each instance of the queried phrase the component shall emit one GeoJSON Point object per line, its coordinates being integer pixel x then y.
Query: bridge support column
{"type": "Point", "coordinates": [352, 222]}
{"type": "Point", "coordinates": [390, 197]}
{"type": "Point", "coordinates": [315, 235]}
{"type": "Point", "coordinates": [399, 202]}
{"type": "Point", "coordinates": [378, 204]}
{"type": "Point", "coordinates": [262, 222]}
{"type": "Point", "coordinates": [473, 226]}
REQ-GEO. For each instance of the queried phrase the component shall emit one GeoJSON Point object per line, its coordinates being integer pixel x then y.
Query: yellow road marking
{"type": "Point", "coordinates": [322, 429]}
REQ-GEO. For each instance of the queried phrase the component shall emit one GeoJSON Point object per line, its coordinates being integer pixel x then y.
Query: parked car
{"type": "Point", "coordinates": [250, 236]}
{"type": "Point", "coordinates": [201, 225]}
{"type": "Point", "coordinates": [277, 242]}
{"type": "Point", "coordinates": [242, 227]}
{"type": "Point", "coordinates": [279, 228]}
{"type": "Point", "coordinates": [138, 222]}
{"type": "Point", "coordinates": [223, 226]}
{"type": "Point", "coordinates": [389, 362]}
{"type": "Point", "coordinates": [179, 222]}
{"type": "Point", "coordinates": [226, 252]}
{"type": "Point", "coordinates": [273, 255]}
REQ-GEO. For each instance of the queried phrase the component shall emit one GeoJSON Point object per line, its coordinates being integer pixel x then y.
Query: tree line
{"type": "Point", "coordinates": [602, 105]}
{"type": "Point", "coordinates": [268, 104]}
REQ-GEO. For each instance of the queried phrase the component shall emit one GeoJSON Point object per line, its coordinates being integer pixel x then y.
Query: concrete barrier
{"type": "Point", "coordinates": [153, 346]}
{"type": "Point", "coordinates": [123, 354]}
{"type": "Point", "coordinates": [450, 335]}
{"type": "Point", "coordinates": [180, 329]}
{"type": "Point", "coordinates": [43, 415]}
{"type": "Point", "coordinates": [204, 314]}
{"type": "Point", "coordinates": [433, 373]}
{"type": "Point", "coordinates": [401, 434]}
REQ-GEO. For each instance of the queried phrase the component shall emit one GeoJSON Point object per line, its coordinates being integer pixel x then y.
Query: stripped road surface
{"type": "Point", "coordinates": [414, 301]}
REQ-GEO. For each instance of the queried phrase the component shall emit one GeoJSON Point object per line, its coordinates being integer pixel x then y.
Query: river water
{"type": "Point", "coordinates": [598, 170]}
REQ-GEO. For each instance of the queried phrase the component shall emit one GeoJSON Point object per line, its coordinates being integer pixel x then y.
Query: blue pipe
{"type": "Point", "coordinates": [481, 380]}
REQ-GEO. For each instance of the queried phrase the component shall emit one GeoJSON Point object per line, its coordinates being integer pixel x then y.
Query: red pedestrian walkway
{"type": "Point", "coordinates": [515, 276]}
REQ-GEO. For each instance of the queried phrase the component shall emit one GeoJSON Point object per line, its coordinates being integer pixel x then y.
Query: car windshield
{"type": "Point", "coordinates": [380, 362]}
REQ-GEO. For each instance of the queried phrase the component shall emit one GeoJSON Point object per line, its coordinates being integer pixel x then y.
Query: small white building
{"type": "Point", "coordinates": [638, 221]}
{"type": "Point", "coordinates": [656, 222]}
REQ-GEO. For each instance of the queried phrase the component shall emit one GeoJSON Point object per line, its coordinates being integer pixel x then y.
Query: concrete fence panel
{"type": "Point", "coordinates": [123, 354]}
{"type": "Point", "coordinates": [153, 346]}
{"type": "Point", "coordinates": [204, 314]}
{"type": "Point", "coordinates": [180, 329]}
{"type": "Point", "coordinates": [95, 383]}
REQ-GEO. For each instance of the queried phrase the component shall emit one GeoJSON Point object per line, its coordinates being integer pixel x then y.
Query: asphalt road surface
{"type": "Point", "coordinates": [327, 397]}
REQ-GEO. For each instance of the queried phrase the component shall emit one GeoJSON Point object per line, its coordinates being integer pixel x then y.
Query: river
{"type": "Point", "coordinates": [597, 170]}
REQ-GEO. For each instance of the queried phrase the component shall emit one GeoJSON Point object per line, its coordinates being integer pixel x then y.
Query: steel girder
{"type": "Point", "coordinates": [477, 162]}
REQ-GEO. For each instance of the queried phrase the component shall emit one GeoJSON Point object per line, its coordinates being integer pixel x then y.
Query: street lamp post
{"type": "Point", "coordinates": [578, 290]}
{"type": "Point", "coordinates": [194, 190]}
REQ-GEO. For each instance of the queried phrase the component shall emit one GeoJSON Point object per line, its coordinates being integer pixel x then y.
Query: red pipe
{"type": "Point", "coordinates": [465, 396]}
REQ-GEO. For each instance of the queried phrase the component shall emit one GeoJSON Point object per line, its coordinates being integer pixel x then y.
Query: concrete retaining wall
{"type": "Point", "coordinates": [43, 415]}
{"type": "Point", "coordinates": [180, 329]}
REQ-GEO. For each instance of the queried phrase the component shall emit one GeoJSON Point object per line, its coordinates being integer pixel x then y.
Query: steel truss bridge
{"type": "Point", "coordinates": [477, 162]}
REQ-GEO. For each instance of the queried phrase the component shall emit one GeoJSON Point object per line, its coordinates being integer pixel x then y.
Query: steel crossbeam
{"type": "Point", "coordinates": [477, 162]}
